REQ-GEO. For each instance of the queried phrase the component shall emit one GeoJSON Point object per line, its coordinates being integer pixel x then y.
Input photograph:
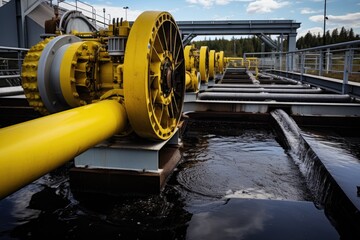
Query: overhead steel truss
{"type": "Point", "coordinates": [191, 29]}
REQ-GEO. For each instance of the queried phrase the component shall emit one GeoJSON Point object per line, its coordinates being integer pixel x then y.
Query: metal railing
{"type": "Point", "coordinates": [10, 65]}
{"type": "Point", "coordinates": [339, 61]}
{"type": "Point", "coordinates": [89, 11]}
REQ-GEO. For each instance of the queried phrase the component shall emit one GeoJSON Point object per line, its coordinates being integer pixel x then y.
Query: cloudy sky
{"type": "Point", "coordinates": [310, 13]}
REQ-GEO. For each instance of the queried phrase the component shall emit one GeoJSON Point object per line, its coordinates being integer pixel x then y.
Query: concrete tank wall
{"type": "Point", "coordinates": [8, 25]}
{"type": "Point", "coordinates": [11, 25]}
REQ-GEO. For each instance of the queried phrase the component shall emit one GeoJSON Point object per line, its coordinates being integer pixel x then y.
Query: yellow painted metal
{"type": "Point", "coordinates": [188, 79]}
{"type": "Point", "coordinates": [77, 71]}
{"type": "Point", "coordinates": [235, 62]}
{"type": "Point", "coordinates": [74, 69]}
{"type": "Point", "coordinates": [29, 76]}
{"type": "Point", "coordinates": [32, 149]}
{"type": "Point", "coordinates": [188, 55]}
{"type": "Point", "coordinates": [252, 64]}
{"type": "Point", "coordinates": [83, 72]}
{"type": "Point", "coordinates": [193, 80]}
{"type": "Point", "coordinates": [221, 62]}
{"type": "Point", "coordinates": [211, 64]}
{"type": "Point", "coordinates": [154, 75]}
{"type": "Point", "coordinates": [204, 63]}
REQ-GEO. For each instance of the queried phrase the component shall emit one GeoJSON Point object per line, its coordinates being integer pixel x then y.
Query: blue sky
{"type": "Point", "coordinates": [310, 13]}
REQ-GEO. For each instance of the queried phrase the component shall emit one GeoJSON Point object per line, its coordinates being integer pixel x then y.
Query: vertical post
{"type": "Point", "coordinates": [94, 15]}
{"type": "Point", "coordinates": [281, 51]}
{"type": "Point", "coordinates": [327, 60]}
{"type": "Point", "coordinates": [346, 72]}
{"type": "Point", "coordinates": [292, 62]}
{"type": "Point", "coordinates": [234, 46]}
{"type": "Point", "coordinates": [104, 16]}
{"type": "Point", "coordinates": [274, 59]}
{"type": "Point", "coordinates": [76, 5]}
{"type": "Point", "coordinates": [325, 18]}
{"type": "Point", "coordinates": [321, 62]}
{"type": "Point", "coordinates": [19, 60]}
{"type": "Point", "coordinates": [302, 65]}
{"type": "Point", "coordinates": [291, 42]}
{"type": "Point", "coordinates": [126, 8]}
{"type": "Point", "coordinates": [348, 61]}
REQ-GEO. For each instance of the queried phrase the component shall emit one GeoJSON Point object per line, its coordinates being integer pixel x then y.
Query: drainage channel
{"type": "Point", "coordinates": [331, 168]}
{"type": "Point", "coordinates": [330, 173]}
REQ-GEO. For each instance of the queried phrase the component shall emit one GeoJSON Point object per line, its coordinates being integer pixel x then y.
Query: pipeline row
{"type": "Point", "coordinates": [239, 84]}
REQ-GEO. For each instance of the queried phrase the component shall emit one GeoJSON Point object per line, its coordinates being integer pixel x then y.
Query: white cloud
{"type": "Point", "coordinates": [308, 11]}
{"type": "Point", "coordinates": [210, 3]}
{"type": "Point", "coordinates": [350, 19]}
{"type": "Point", "coordinates": [265, 6]}
{"type": "Point", "coordinates": [218, 17]}
{"type": "Point", "coordinates": [313, 30]}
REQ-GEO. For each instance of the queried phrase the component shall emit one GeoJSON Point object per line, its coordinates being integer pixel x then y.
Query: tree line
{"type": "Point", "coordinates": [233, 47]}
{"type": "Point", "coordinates": [238, 46]}
{"type": "Point", "coordinates": [313, 40]}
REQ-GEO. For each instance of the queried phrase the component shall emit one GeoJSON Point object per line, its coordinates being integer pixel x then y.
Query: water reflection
{"type": "Point", "coordinates": [261, 219]}
{"type": "Point", "coordinates": [244, 163]}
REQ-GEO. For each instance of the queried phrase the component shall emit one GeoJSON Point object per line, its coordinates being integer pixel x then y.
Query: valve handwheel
{"type": "Point", "coordinates": [204, 63]}
{"type": "Point", "coordinates": [154, 75]}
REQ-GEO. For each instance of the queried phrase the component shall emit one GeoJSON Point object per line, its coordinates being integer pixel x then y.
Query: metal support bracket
{"type": "Point", "coordinates": [119, 154]}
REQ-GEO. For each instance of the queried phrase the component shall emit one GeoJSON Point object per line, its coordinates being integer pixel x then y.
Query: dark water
{"type": "Point", "coordinates": [234, 182]}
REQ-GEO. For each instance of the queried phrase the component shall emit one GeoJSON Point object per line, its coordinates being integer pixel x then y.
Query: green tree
{"type": "Point", "coordinates": [335, 36]}
{"type": "Point", "coordinates": [343, 35]}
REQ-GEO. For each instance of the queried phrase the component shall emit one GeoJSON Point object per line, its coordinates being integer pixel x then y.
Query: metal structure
{"type": "Point", "coordinates": [334, 67]}
{"type": "Point", "coordinates": [191, 29]}
{"type": "Point", "coordinates": [69, 71]}
{"type": "Point", "coordinates": [10, 65]}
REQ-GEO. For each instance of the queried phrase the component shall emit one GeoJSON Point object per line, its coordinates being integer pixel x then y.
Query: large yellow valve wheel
{"type": "Point", "coordinates": [212, 64]}
{"type": "Point", "coordinates": [154, 75]}
{"type": "Point", "coordinates": [204, 63]}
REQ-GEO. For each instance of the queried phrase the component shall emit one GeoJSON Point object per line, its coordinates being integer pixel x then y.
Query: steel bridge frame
{"type": "Point", "coordinates": [191, 29]}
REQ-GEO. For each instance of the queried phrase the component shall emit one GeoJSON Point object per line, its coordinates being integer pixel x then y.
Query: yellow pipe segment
{"type": "Point", "coordinates": [34, 148]}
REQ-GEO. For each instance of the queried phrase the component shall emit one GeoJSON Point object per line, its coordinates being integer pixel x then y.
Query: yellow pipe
{"type": "Point", "coordinates": [31, 149]}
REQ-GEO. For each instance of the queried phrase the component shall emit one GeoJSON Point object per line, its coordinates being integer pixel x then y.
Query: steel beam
{"type": "Point", "coordinates": [238, 27]}
{"type": "Point", "coordinates": [296, 108]}
{"type": "Point", "coordinates": [331, 84]}
{"type": "Point", "coordinates": [190, 29]}
{"type": "Point", "coordinates": [11, 91]}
